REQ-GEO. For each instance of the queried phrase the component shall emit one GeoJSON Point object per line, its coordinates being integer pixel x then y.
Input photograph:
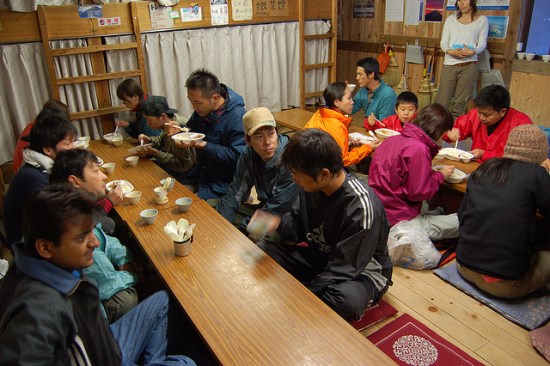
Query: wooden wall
{"type": "Point", "coordinates": [365, 37]}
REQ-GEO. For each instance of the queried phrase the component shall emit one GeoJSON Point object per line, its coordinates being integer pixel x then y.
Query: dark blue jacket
{"type": "Point", "coordinates": [49, 314]}
{"type": "Point", "coordinates": [27, 180]}
{"type": "Point", "coordinates": [216, 163]}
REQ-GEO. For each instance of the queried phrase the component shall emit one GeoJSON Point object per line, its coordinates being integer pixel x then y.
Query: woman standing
{"type": "Point", "coordinates": [464, 37]}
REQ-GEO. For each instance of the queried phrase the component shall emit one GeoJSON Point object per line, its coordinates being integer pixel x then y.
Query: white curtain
{"type": "Point", "coordinates": [260, 62]}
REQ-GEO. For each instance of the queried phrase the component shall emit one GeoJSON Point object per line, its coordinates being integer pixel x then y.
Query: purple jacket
{"type": "Point", "coordinates": [401, 173]}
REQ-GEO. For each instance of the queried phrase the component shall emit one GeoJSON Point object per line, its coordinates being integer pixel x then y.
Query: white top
{"type": "Point", "coordinates": [456, 34]}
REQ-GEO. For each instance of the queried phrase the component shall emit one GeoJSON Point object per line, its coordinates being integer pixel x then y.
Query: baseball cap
{"type": "Point", "coordinates": [156, 105]}
{"type": "Point", "coordinates": [256, 118]}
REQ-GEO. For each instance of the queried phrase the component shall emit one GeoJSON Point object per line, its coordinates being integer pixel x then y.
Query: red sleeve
{"type": "Point", "coordinates": [106, 204]}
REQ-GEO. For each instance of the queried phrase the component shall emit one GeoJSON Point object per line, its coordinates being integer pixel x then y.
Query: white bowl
{"type": "Point", "coordinates": [149, 215]}
{"type": "Point", "coordinates": [117, 140]}
{"type": "Point", "coordinates": [110, 136]}
{"type": "Point", "coordinates": [108, 168]}
{"type": "Point", "coordinates": [546, 58]}
{"type": "Point", "coordinates": [132, 160]}
{"type": "Point", "coordinates": [521, 55]}
{"type": "Point", "coordinates": [184, 203]}
{"type": "Point", "coordinates": [351, 87]}
{"type": "Point", "coordinates": [530, 56]}
{"type": "Point", "coordinates": [456, 177]}
{"type": "Point", "coordinates": [384, 133]}
{"type": "Point", "coordinates": [187, 137]}
{"type": "Point", "coordinates": [133, 197]}
{"type": "Point", "coordinates": [457, 154]}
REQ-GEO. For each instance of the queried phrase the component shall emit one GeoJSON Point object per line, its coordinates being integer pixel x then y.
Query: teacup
{"type": "Point", "coordinates": [530, 56]}
{"type": "Point", "coordinates": [160, 195]}
{"type": "Point", "coordinates": [133, 197]}
{"type": "Point", "coordinates": [132, 160]}
{"type": "Point", "coordinates": [184, 204]}
{"type": "Point", "coordinates": [149, 215]}
{"type": "Point", "coordinates": [521, 55]}
{"type": "Point", "coordinates": [109, 168]}
{"type": "Point", "coordinates": [181, 249]}
{"type": "Point", "coordinates": [170, 185]}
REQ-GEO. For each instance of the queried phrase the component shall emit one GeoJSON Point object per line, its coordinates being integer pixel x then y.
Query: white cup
{"type": "Point", "coordinates": [530, 56]}
{"type": "Point", "coordinates": [546, 58]}
{"type": "Point", "coordinates": [149, 215]}
{"type": "Point", "coordinates": [181, 249]}
{"type": "Point", "coordinates": [133, 197]}
{"type": "Point", "coordinates": [160, 195]}
{"type": "Point", "coordinates": [184, 204]}
{"type": "Point", "coordinates": [351, 87]}
{"type": "Point", "coordinates": [132, 160]}
{"type": "Point", "coordinates": [109, 168]}
{"type": "Point", "coordinates": [521, 55]}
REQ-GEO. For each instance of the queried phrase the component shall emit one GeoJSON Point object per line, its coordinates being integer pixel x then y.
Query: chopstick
{"type": "Point", "coordinates": [377, 120]}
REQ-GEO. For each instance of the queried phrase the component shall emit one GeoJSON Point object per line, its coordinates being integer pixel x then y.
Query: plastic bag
{"type": "Point", "coordinates": [410, 247]}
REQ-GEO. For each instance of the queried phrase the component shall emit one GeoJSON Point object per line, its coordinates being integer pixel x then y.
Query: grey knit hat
{"type": "Point", "coordinates": [526, 143]}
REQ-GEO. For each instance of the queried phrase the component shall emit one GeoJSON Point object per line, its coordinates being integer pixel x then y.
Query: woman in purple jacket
{"type": "Point", "coordinates": [401, 173]}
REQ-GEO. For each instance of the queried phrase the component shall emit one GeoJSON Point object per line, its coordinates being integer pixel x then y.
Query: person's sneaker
{"type": "Point", "coordinates": [4, 266]}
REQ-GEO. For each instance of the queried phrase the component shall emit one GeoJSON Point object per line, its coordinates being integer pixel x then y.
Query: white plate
{"type": "Point", "coordinates": [456, 154]}
{"type": "Point", "coordinates": [138, 149]}
{"type": "Point", "coordinates": [186, 137]}
{"type": "Point", "coordinates": [385, 133]}
{"type": "Point", "coordinates": [457, 177]}
{"type": "Point", "coordinates": [361, 138]}
{"type": "Point", "coordinates": [126, 186]}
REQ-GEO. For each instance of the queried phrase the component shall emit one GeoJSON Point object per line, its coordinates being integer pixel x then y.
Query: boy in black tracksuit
{"type": "Point", "coordinates": [337, 226]}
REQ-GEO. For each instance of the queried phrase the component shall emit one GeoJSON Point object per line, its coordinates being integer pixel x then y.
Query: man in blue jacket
{"type": "Point", "coordinates": [258, 167]}
{"type": "Point", "coordinates": [218, 114]}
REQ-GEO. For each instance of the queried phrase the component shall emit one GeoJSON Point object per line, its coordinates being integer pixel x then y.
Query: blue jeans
{"type": "Point", "coordinates": [141, 334]}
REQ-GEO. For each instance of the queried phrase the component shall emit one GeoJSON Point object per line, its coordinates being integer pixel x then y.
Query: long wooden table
{"type": "Point", "coordinates": [245, 306]}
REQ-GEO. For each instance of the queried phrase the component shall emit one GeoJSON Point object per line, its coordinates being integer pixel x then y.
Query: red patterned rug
{"type": "Point", "coordinates": [409, 342]}
{"type": "Point", "coordinates": [374, 314]}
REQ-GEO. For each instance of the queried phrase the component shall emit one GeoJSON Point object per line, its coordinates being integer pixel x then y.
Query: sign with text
{"type": "Point", "coordinates": [271, 8]}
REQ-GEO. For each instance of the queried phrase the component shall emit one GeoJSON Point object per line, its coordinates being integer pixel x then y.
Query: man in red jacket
{"type": "Point", "coordinates": [489, 124]}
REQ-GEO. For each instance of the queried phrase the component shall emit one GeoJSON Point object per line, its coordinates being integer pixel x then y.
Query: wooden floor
{"type": "Point", "coordinates": [459, 318]}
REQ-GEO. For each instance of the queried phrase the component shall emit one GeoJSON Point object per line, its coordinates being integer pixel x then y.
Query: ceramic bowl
{"type": "Point", "coordinates": [108, 168]}
{"type": "Point", "coordinates": [521, 55]}
{"type": "Point", "coordinates": [117, 140]}
{"type": "Point", "coordinates": [384, 133]}
{"type": "Point", "coordinates": [530, 56]}
{"type": "Point", "coordinates": [546, 58]}
{"type": "Point", "coordinates": [133, 197]}
{"type": "Point", "coordinates": [456, 177]}
{"type": "Point", "coordinates": [132, 160]}
{"type": "Point", "coordinates": [187, 137]}
{"type": "Point", "coordinates": [149, 215]}
{"type": "Point", "coordinates": [351, 87]}
{"type": "Point", "coordinates": [184, 203]}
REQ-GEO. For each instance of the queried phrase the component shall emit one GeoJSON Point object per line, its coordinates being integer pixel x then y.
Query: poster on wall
{"type": "Point", "coordinates": [363, 8]}
{"type": "Point", "coordinates": [498, 25]}
{"type": "Point", "coordinates": [394, 10]}
{"type": "Point", "coordinates": [413, 12]}
{"type": "Point", "coordinates": [242, 9]}
{"type": "Point", "coordinates": [484, 4]}
{"type": "Point", "coordinates": [160, 16]}
{"type": "Point", "coordinates": [193, 13]}
{"type": "Point", "coordinates": [219, 12]}
{"type": "Point", "coordinates": [271, 8]}
{"type": "Point", "coordinates": [90, 11]}
{"type": "Point", "coordinates": [434, 11]}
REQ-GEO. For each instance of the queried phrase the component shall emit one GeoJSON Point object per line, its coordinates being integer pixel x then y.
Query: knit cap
{"type": "Point", "coordinates": [526, 143]}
